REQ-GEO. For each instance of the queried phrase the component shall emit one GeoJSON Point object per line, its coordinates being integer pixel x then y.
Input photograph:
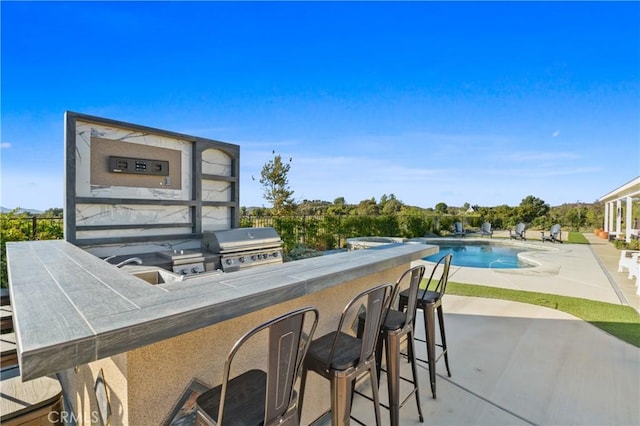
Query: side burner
{"type": "Point", "coordinates": [185, 262]}
{"type": "Point", "coordinates": [241, 248]}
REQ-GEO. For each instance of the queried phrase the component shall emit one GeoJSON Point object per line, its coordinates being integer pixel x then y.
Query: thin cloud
{"type": "Point", "coordinates": [417, 138]}
{"type": "Point", "coordinates": [556, 134]}
{"type": "Point", "coordinates": [5, 145]}
{"type": "Point", "coordinates": [541, 156]}
{"type": "Point", "coordinates": [541, 172]}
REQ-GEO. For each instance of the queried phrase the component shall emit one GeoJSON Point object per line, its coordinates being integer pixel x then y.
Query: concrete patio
{"type": "Point", "coordinates": [514, 363]}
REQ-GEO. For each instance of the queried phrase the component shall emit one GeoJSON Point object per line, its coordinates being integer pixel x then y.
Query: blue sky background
{"type": "Point", "coordinates": [450, 102]}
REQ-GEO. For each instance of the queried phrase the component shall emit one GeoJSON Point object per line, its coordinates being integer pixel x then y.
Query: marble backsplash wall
{"type": "Point", "coordinates": [130, 211]}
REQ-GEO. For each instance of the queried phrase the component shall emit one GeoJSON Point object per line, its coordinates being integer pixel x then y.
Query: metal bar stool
{"type": "Point", "coordinates": [258, 397]}
{"type": "Point", "coordinates": [398, 324]}
{"type": "Point", "coordinates": [430, 302]}
{"type": "Point", "coordinates": [342, 358]}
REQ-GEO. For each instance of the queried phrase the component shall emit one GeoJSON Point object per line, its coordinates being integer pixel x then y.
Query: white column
{"type": "Point", "coordinates": [627, 220]}
{"type": "Point", "coordinates": [618, 216]}
{"type": "Point", "coordinates": [606, 217]}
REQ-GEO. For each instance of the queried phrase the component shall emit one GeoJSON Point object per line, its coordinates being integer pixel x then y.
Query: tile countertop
{"type": "Point", "coordinates": [71, 308]}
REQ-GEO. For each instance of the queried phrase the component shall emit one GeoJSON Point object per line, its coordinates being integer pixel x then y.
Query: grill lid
{"type": "Point", "coordinates": [240, 239]}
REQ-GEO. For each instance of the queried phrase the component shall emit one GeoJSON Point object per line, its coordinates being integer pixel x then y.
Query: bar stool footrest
{"type": "Point", "coordinates": [385, 406]}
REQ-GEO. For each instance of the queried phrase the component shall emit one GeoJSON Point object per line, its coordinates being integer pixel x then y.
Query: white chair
{"type": "Point", "coordinates": [634, 270]}
{"type": "Point", "coordinates": [629, 261]}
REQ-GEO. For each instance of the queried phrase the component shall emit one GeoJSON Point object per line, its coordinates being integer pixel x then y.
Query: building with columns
{"type": "Point", "coordinates": [619, 216]}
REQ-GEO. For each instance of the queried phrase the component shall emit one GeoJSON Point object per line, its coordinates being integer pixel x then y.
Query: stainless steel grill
{"type": "Point", "coordinates": [241, 248]}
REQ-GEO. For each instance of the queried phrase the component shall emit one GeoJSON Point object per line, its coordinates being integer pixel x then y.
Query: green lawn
{"type": "Point", "coordinates": [620, 321]}
{"type": "Point", "coordinates": [570, 237]}
{"type": "Point", "coordinates": [577, 238]}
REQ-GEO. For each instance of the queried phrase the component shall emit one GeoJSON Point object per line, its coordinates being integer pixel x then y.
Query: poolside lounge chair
{"type": "Point", "coordinates": [485, 229]}
{"type": "Point", "coordinates": [518, 233]}
{"type": "Point", "coordinates": [555, 234]}
{"type": "Point", "coordinates": [458, 229]}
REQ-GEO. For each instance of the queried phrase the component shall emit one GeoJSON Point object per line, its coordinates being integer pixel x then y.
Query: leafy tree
{"type": "Point", "coordinates": [532, 207]}
{"type": "Point", "coordinates": [502, 216]}
{"type": "Point", "coordinates": [275, 183]}
{"type": "Point", "coordinates": [339, 207]}
{"type": "Point", "coordinates": [313, 208]}
{"type": "Point", "coordinates": [367, 208]}
{"type": "Point", "coordinates": [390, 204]}
{"type": "Point", "coordinates": [442, 208]}
{"type": "Point", "coordinates": [392, 207]}
{"type": "Point", "coordinates": [577, 217]}
{"type": "Point", "coordinates": [595, 215]}
{"type": "Point", "coordinates": [53, 212]}
{"type": "Point", "coordinates": [259, 211]}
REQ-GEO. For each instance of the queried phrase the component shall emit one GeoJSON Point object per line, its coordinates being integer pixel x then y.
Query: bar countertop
{"type": "Point", "coordinates": [71, 308]}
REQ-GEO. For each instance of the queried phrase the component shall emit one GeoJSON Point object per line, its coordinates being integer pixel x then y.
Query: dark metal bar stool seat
{"type": "Point", "coordinates": [342, 358]}
{"type": "Point", "coordinates": [395, 320]}
{"type": "Point", "coordinates": [398, 324]}
{"type": "Point", "coordinates": [430, 302]}
{"type": "Point", "coordinates": [347, 354]}
{"type": "Point", "coordinates": [257, 397]}
{"type": "Point", "coordinates": [245, 406]}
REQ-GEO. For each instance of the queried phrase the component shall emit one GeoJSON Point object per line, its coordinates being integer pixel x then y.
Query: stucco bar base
{"type": "Point", "coordinates": [144, 384]}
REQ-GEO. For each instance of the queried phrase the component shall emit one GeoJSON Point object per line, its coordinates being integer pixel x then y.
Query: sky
{"type": "Point", "coordinates": [457, 102]}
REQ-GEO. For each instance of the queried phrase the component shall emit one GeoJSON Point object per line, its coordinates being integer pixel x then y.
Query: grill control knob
{"type": "Point", "coordinates": [241, 259]}
{"type": "Point", "coordinates": [254, 257]}
{"type": "Point", "coordinates": [264, 256]}
{"type": "Point", "coordinates": [229, 261]}
{"type": "Point", "coordinates": [274, 254]}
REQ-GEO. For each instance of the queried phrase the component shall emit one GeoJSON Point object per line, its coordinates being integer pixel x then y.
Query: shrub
{"type": "Point", "coordinates": [623, 245]}
{"type": "Point", "coordinates": [301, 251]}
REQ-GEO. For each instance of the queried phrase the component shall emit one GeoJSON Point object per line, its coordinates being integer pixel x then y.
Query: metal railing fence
{"type": "Point", "coordinates": [19, 228]}
{"type": "Point", "coordinates": [323, 232]}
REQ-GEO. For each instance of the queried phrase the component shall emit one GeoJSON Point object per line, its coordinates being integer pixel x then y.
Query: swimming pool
{"type": "Point", "coordinates": [481, 255]}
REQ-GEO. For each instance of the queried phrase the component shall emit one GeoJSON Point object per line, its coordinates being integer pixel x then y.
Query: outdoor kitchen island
{"type": "Point", "coordinates": [122, 346]}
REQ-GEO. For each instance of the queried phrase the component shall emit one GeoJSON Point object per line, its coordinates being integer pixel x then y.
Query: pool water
{"type": "Point", "coordinates": [482, 256]}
